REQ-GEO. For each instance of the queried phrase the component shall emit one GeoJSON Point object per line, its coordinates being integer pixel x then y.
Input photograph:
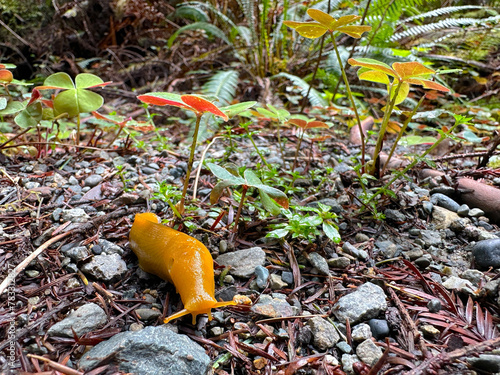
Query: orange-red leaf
{"type": "Point", "coordinates": [6, 76]}
{"type": "Point", "coordinates": [155, 100]}
{"type": "Point", "coordinates": [411, 69]}
{"type": "Point", "coordinates": [427, 84]}
{"type": "Point", "coordinates": [374, 65]}
{"type": "Point", "coordinates": [201, 105]}
{"type": "Point", "coordinates": [282, 201]}
{"type": "Point", "coordinates": [316, 124]}
{"type": "Point", "coordinates": [299, 122]}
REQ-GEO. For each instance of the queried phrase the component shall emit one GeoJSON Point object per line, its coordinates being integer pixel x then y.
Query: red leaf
{"type": "Point", "coordinates": [6, 76]}
{"type": "Point", "coordinates": [150, 99]}
{"type": "Point", "coordinates": [35, 94]}
{"type": "Point", "coordinates": [201, 105]}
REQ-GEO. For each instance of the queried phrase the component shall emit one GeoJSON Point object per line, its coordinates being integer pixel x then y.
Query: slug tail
{"type": "Point", "coordinates": [178, 315]}
{"type": "Point", "coordinates": [224, 303]}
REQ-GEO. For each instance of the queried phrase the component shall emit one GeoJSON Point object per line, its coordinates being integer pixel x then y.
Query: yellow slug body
{"type": "Point", "coordinates": [178, 258]}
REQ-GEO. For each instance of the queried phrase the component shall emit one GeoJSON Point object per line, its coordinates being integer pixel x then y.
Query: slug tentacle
{"type": "Point", "coordinates": [178, 258]}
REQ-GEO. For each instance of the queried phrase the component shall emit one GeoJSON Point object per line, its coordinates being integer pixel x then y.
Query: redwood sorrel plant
{"type": "Point", "coordinates": [325, 23]}
{"type": "Point", "coordinates": [75, 98]}
{"type": "Point", "coordinates": [398, 87]}
{"type": "Point", "coordinates": [304, 125]}
{"type": "Point", "coordinates": [199, 106]}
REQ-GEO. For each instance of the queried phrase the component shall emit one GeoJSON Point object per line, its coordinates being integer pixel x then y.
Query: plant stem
{"type": "Point", "coordinates": [400, 134]}
{"type": "Point", "coordinates": [190, 163]}
{"type": "Point", "coordinates": [256, 148]}
{"type": "Point", "coordinates": [351, 99]}
{"type": "Point", "coordinates": [237, 218]}
{"type": "Point", "coordinates": [297, 150]}
{"type": "Point", "coordinates": [77, 140]}
{"type": "Point", "coordinates": [383, 127]}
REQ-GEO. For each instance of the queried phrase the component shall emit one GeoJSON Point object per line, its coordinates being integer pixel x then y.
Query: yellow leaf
{"type": "Point", "coordinates": [374, 76]}
{"type": "Point", "coordinates": [404, 89]}
{"type": "Point", "coordinates": [354, 31]}
{"type": "Point", "coordinates": [411, 69]}
{"type": "Point", "coordinates": [323, 18]}
{"type": "Point", "coordinates": [345, 20]}
{"type": "Point", "coordinates": [311, 30]}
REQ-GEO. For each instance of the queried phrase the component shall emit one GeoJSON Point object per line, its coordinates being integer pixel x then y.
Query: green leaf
{"type": "Point", "coordinates": [12, 107]}
{"type": "Point", "coordinates": [404, 89]}
{"type": "Point", "coordinates": [58, 81]}
{"type": "Point", "coordinates": [86, 80]}
{"type": "Point", "coordinates": [30, 116]}
{"type": "Point", "coordinates": [77, 101]}
{"type": "Point", "coordinates": [207, 27]}
{"type": "Point", "coordinates": [3, 103]}
{"type": "Point", "coordinates": [331, 232]}
{"type": "Point", "coordinates": [269, 204]}
{"type": "Point", "coordinates": [218, 189]}
{"type": "Point", "coordinates": [267, 113]}
{"type": "Point", "coordinates": [278, 233]}
{"type": "Point", "coordinates": [373, 65]}
{"type": "Point", "coordinates": [223, 174]}
{"type": "Point", "coordinates": [276, 194]}
{"type": "Point", "coordinates": [236, 109]}
{"type": "Point", "coordinates": [251, 178]}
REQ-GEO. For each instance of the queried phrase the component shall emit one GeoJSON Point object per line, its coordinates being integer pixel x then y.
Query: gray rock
{"type": "Point", "coordinates": [354, 251]}
{"type": "Point", "coordinates": [379, 328]}
{"type": "Point", "coordinates": [388, 248]}
{"type": "Point", "coordinates": [476, 212]}
{"type": "Point", "coordinates": [287, 277]}
{"type": "Point", "coordinates": [365, 303]}
{"type": "Point", "coordinates": [445, 202]}
{"type": "Point", "coordinates": [428, 207]}
{"type": "Point", "coordinates": [459, 285]}
{"type": "Point", "coordinates": [474, 276]}
{"type": "Point", "coordinates": [262, 274]}
{"type": "Point", "coordinates": [368, 352]}
{"type": "Point", "coordinates": [273, 307]}
{"type": "Point", "coordinates": [320, 263]}
{"type": "Point", "coordinates": [110, 248]}
{"type": "Point", "coordinates": [487, 253]}
{"type": "Point", "coordinates": [93, 180]}
{"type": "Point", "coordinates": [489, 363]}
{"type": "Point", "coordinates": [75, 215]}
{"type": "Point", "coordinates": [77, 253]}
{"type": "Point", "coordinates": [148, 314]}
{"type": "Point", "coordinates": [85, 319]}
{"type": "Point", "coordinates": [325, 335]}
{"type": "Point", "coordinates": [276, 283]}
{"type": "Point", "coordinates": [423, 262]}
{"type": "Point", "coordinates": [152, 350]}
{"type": "Point", "coordinates": [463, 210]}
{"type": "Point", "coordinates": [340, 262]}
{"type": "Point", "coordinates": [222, 246]}
{"type": "Point", "coordinates": [105, 267]}
{"type": "Point", "coordinates": [348, 360]}
{"type": "Point", "coordinates": [430, 238]}
{"type": "Point", "coordinates": [434, 305]}
{"type": "Point", "coordinates": [361, 332]}
{"type": "Point", "coordinates": [361, 237]}
{"type": "Point", "coordinates": [32, 273]}
{"type": "Point", "coordinates": [344, 347]}
{"type": "Point", "coordinates": [395, 215]}
{"type": "Point", "coordinates": [243, 262]}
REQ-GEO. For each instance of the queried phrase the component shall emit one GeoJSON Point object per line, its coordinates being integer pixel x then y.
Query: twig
{"type": "Point", "coordinates": [437, 361]}
{"type": "Point", "coordinates": [57, 366]}
{"type": "Point", "coordinates": [200, 165]}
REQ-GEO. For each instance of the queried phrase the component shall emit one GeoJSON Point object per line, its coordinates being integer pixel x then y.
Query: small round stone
{"type": "Point", "coordinates": [434, 305]}
{"type": "Point", "coordinates": [423, 262]}
{"type": "Point", "coordinates": [379, 327]}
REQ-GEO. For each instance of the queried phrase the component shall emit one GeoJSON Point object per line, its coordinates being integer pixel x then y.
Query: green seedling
{"type": "Point", "coordinates": [199, 106]}
{"type": "Point", "coordinates": [326, 23]}
{"type": "Point", "coordinates": [306, 226]}
{"type": "Point", "coordinates": [398, 87]}
{"type": "Point", "coordinates": [168, 193]}
{"type": "Point", "coordinates": [75, 98]}
{"type": "Point", "coordinates": [278, 115]}
{"type": "Point", "coordinates": [270, 197]}
{"type": "Point", "coordinates": [304, 125]}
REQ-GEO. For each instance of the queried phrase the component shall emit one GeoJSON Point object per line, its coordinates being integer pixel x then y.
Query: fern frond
{"type": "Point", "coordinates": [207, 27]}
{"type": "Point", "coordinates": [248, 7]}
{"type": "Point", "coordinates": [443, 24]}
{"type": "Point", "coordinates": [392, 10]}
{"type": "Point", "coordinates": [206, 6]}
{"type": "Point", "coordinates": [314, 97]}
{"type": "Point", "coordinates": [440, 11]}
{"type": "Point", "coordinates": [223, 85]}
{"type": "Point", "coordinates": [192, 13]}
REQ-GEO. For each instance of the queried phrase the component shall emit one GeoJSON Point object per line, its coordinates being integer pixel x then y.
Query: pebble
{"type": "Point", "coordinates": [287, 277]}
{"type": "Point", "coordinates": [273, 307]}
{"type": "Point", "coordinates": [85, 319]}
{"type": "Point", "coordinates": [340, 262]}
{"type": "Point", "coordinates": [320, 263]}
{"type": "Point", "coordinates": [395, 215]}
{"type": "Point", "coordinates": [105, 267]}
{"type": "Point", "coordinates": [344, 347]}
{"type": "Point", "coordinates": [32, 273]}
{"type": "Point", "coordinates": [77, 253]}
{"type": "Point", "coordinates": [134, 327]}
{"type": "Point", "coordinates": [387, 248]}
{"type": "Point", "coordinates": [463, 210]}
{"type": "Point", "coordinates": [428, 207]}
{"type": "Point", "coordinates": [324, 334]}
{"type": "Point", "coordinates": [430, 238]}
{"type": "Point", "coordinates": [379, 328]}
{"type": "Point", "coordinates": [75, 215]}
{"type": "Point", "coordinates": [367, 302]}
{"type": "Point", "coordinates": [459, 285]}
{"type": "Point", "coordinates": [361, 332]}
{"type": "Point", "coordinates": [243, 262]}
{"type": "Point", "coordinates": [476, 212]}
{"type": "Point", "coordinates": [368, 352]}
{"type": "Point", "coordinates": [222, 246]}
{"type": "Point", "coordinates": [445, 202]}
{"type": "Point", "coordinates": [488, 363]}
{"type": "Point", "coordinates": [430, 331]}
{"type": "Point", "coordinates": [434, 305]}
{"type": "Point", "coordinates": [354, 251]}
{"type": "Point", "coordinates": [276, 283]}
{"type": "Point", "coordinates": [152, 350]}
{"type": "Point", "coordinates": [72, 283]}
{"type": "Point", "coordinates": [348, 360]}
{"type": "Point", "coordinates": [443, 218]}
{"type": "Point", "coordinates": [474, 276]}
{"type": "Point", "coordinates": [487, 253]}
{"type": "Point", "coordinates": [262, 274]}
{"type": "Point", "coordinates": [110, 248]}
{"type": "Point", "coordinates": [147, 314]}
{"type": "Point", "coordinates": [361, 237]}
{"type": "Point", "coordinates": [423, 262]}
{"type": "Point", "coordinates": [93, 180]}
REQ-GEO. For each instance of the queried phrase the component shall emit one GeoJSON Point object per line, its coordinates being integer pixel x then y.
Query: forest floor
{"type": "Point", "coordinates": [430, 262]}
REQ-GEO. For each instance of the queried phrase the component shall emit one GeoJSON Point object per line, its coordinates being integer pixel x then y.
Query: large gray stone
{"type": "Point", "coordinates": [243, 262]}
{"type": "Point", "coordinates": [487, 253]}
{"type": "Point", "coordinates": [367, 302]}
{"type": "Point", "coordinates": [105, 267]}
{"type": "Point", "coordinates": [324, 333]}
{"type": "Point", "coordinates": [87, 318]}
{"type": "Point", "coordinates": [152, 350]}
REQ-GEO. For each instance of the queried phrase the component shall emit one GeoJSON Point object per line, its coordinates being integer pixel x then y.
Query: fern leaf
{"type": "Point", "coordinates": [314, 96]}
{"type": "Point", "coordinates": [441, 11]}
{"type": "Point", "coordinates": [192, 13]}
{"type": "Point", "coordinates": [209, 28]}
{"type": "Point", "coordinates": [223, 85]}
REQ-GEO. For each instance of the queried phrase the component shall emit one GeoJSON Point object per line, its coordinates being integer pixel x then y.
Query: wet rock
{"type": "Point", "coordinates": [361, 332]}
{"type": "Point", "coordinates": [368, 352]}
{"type": "Point", "coordinates": [444, 201]}
{"type": "Point", "coordinates": [320, 263]}
{"type": "Point", "coordinates": [77, 253]}
{"type": "Point", "coordinates": [148, 314]}
{"type": "Point", "coordinates": [423, 262]}
{"type": "Point", "coordinates": [395, 215]}
{"type": "Point", "coordinates": [379, 328]}
{"type": "Point", "coordinates": [430, 238]}
{"type": "Point", "coordinates": [324, 334]}
{"type": "Point", "coordinates": [152, 350]}
{"type": "Point", "coordinates": [243, 262]}
{"type": "Point", "coordinates": [273, 307]}
{"type": "Point", "coordinates": [428, 207]}
{"type": "Point", "coordinates": [287, 277]}
{"type": "Point", "coordinates": [110, 248]}
{"type": "Point", "coordinates": [463, 210]}
{"type": "Point", "coordinates": [459, 285]}
{"type": "Point", "coordinates": [93, 180]}
{"type": "Point", "coordinates": [75, 215]}
{"type": "Point", "coordinates": [276, 283]}
{"type": "Point", "coordinates": [348, 360]}
{"type": "Point", "coordinates": [487, 253]}
{"type": "Point", "coordinates": [365, 303]}
{"type": "Point", "coordinates": [354, 251]}
{"type": "Point", "coordinates": [489, 363]}
{"type": "Point", "coordinates": [85, 319]}
{"type": "Point", "coordinates": [344, 347]}
{"type": "Point", "coordinates": [105, 267]}
{"type": "Point", "coordinates": [434, 305]}
{"type": "Point", "coordinates": [262, 274]}
{"type": "Point", "coordinates": [443, 218]}
{"type": "Point", "coordinates": [340, 262]}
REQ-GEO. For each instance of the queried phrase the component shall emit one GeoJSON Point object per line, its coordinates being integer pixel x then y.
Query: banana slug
{"type": "Point", "coordinates": [178, 258]}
